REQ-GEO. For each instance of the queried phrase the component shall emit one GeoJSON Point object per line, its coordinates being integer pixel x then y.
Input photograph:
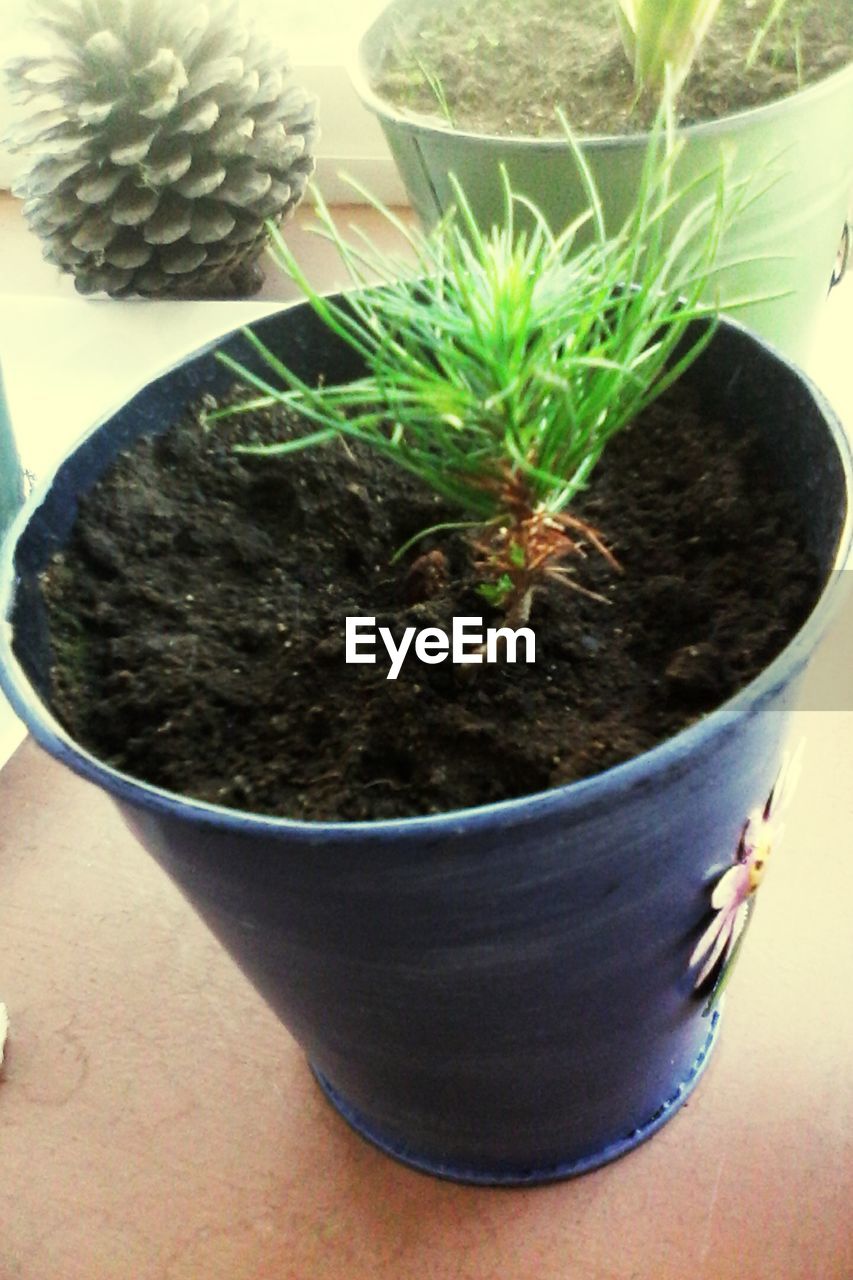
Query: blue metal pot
{"type": "Point", "coordinates": [501, 995]}
{"type": "Point", "coordinates": [11, 480]}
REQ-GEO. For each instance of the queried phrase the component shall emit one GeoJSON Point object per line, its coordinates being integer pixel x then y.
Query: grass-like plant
{"type": "Point", "coordinates": [499, 364]}
{"type": "Point", "coordinates": [789, 34]}
{"type": "Point", "coordinates": [662, 37]}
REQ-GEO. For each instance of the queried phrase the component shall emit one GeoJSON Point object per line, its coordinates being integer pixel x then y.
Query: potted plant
{"type": "Point", "coordinates": [522, 987]}
{"type": "Point", "coordinates": [441, 77]}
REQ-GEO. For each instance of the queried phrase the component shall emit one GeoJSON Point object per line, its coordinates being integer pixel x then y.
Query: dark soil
{"type": "Point", "coordinates": [505, 66]}
{"type": "Point", "coordinates": [198, 613]}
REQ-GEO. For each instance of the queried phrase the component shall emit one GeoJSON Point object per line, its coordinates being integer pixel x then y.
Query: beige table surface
{"type": "Point", "coordinates": [157, 1123]}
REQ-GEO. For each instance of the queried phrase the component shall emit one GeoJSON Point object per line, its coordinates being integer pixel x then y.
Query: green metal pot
{"type": "Point", "coordinates": [11, 479]}
{"type": "Point", "coordinates": [797, 150]}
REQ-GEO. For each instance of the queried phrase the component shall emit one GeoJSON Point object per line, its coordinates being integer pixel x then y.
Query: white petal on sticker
{"type": "Point", "coordinates": [707, 941]}
{"type": "Point", "coordinates": [719, 947]}
{"type": "Point", "coordinates": [739, 923]}
{"type": "Point", "coordinates": [789, 775]}
{"type": "Point", "coordinates": [752, 832]}
{"type": "Point", "coordinates": [727, 887]}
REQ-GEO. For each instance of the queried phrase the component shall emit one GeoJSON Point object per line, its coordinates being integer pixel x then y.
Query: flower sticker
{"type": "Point", "coordinates": [733, 897]}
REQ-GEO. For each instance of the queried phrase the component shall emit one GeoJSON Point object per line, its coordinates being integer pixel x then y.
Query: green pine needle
{"type": "Point", "coordinates": [500, 362]}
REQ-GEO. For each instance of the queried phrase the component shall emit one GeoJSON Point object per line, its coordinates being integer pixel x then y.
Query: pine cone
{"type": "Point", "coordinates": [162, 135]}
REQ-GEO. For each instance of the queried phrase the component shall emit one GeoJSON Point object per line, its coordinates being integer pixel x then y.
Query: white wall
{"type": "Point", "coordinates": [12, 14]}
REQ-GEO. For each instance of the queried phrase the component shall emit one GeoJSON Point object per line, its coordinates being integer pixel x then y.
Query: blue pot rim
{"type": "Point", "coordinates": [672, 756]}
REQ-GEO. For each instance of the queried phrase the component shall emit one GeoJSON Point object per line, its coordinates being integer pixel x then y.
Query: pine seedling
{"type": "Point", "coordinates": [499, 363]}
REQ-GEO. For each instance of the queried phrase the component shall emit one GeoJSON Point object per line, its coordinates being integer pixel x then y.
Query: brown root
{"type": "Point", "coordinates": [530, 547]}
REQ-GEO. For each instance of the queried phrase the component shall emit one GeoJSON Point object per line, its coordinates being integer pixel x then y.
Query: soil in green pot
{"type": "Point", "coordinates": [506, 66]}
{"type": "Point", "coordinates": [198, 614]}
